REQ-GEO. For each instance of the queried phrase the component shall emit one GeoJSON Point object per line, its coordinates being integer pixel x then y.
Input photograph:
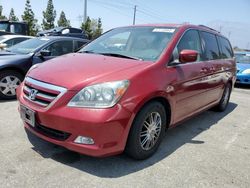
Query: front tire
{"type": "Point", "coordinates": [9, 81]}
{"type": "Point", "coordinates": [147, 131]}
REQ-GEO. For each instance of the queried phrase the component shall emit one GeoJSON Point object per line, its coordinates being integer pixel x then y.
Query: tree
{"type": "Point", "coordinates": [12, 16]}
{"type": "Point", "coordinates": [98, 30]}
{"type": "Point", "coordinates": [87, 28]}
{"type": "Point", "coordinates": [63, 22]}
{"type": "Point", "coordinates": [29, 17]}
{"type": "Point", "coordinates": [49, 16]}
{"type": "Point", "coordinates": [93, 28]}
{"type": "Point", "coordinates": [2, 17]}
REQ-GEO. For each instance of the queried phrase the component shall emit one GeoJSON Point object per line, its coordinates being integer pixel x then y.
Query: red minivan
{"type": "Point", "coordinates": [126, 88]}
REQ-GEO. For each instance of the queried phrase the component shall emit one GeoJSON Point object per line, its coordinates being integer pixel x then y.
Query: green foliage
{"type": "Point", "coordinates": [12, 16]}
{"type": "Point", "coordinates": [2, 17]}
{"type": "Point", "coordinates": [93, 28]}
{"type": "Point", "coordinates": [29, 17]}
{"type": "Point", "coordinates": [63, 22]}
{"type": "Point", "coordinates": [49, 16]}
{"type": "Point", "coordinates": [98, 31]}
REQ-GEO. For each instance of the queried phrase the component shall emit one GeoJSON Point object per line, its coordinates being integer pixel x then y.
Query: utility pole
{"type": "Point", "coordinates": [85, 11]}
{"type": "Point", "coordinates": [220, 28]}
{"type": "Point", "coordinates": [134, 14]}
{"type": "Point", "coordinates": [229, 34]}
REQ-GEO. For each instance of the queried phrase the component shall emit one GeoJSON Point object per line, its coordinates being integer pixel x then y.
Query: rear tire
{"type": "Point", "coordinates": [222, 106]}
{"type": "Point", "coordinates": [9, 81]}
{"type": "Point", "coordinates": [147, 131]}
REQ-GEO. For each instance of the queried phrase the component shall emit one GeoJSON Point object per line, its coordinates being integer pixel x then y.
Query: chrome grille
{"type": "Point", "coordinates": [41, 93]}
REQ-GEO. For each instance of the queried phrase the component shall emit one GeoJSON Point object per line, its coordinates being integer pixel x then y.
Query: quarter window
{"type": "Point", "coordinates": [226, 50]}
{"type": "Point", "coordinates": [209, 46]}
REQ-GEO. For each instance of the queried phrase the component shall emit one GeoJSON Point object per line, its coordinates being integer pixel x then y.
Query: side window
{"type": "Point", "coordinates": [74, 30]}
{"type": "Point", "coordinates": [189, 41]}
{"type": "Point", "coordinates": [226, 49]}
{"type": "Point", "coordinates": [79, 44]}
{"type": "Point", "coordinates": [18, 40]}
{"type": "Point", "coordinates": [9, 42]}
{"type": "Point", "coordinates": [209, 46]}
{"type": "Point", "coordinates": [60, 47]}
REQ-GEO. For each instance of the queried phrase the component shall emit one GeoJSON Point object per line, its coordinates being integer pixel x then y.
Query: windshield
{"type": "Point", "coordinates": [4, 26]}
{"type": "Point", "coordinates": [28, 46]}
{"type": "Point", "coordinates": [243, 58]}
{"type": "Point", "coordinates": [144, 43]}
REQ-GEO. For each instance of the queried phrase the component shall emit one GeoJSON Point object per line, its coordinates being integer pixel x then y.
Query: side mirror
{"type": "Point", "coordinates": [65, 31]}
{"type": "Point", "coordinates": [45, 53]}
{"type": "Point", "coordinates": [188, 56]}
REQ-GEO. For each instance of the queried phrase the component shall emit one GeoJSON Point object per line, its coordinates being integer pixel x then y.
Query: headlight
{"type": "Point", "coordinates": [103, 95]}
{"type": "Point", "coordinates": [247, 71]}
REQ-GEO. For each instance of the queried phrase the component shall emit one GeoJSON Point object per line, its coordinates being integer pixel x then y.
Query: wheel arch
{"type": "Point", "coordinates": [166, 102]}
{"type": "Point", "coordinates": [13, 69]}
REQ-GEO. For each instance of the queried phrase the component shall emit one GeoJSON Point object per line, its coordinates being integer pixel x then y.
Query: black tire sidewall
{"type": "Point", "coordinates": [222, 107]}
{"type": "Point", "coordinates": [133, 147]}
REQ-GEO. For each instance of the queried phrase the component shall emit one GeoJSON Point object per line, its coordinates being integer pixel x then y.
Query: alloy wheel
{"type": "Point", "coordinates": [150, 131]}
{"type": "Point", "coordinates": [9, 84]}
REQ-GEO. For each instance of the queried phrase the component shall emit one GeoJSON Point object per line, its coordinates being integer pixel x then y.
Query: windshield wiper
{"type": "Point", "coordinates": [87, 51]}
{"type": "Point", "coordinates": [121, 55]}
{"type": "Point", "coordinates": [7, 50]}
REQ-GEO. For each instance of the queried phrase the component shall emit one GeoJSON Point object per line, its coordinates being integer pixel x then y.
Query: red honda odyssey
{"type": "Point", "coordinates": [123, 91]}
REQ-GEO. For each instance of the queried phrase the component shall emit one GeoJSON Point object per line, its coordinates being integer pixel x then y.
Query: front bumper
{"type": "Point", "coordinates": [61, 125]}
{"type": "Point", "coordinates": [243, 78]}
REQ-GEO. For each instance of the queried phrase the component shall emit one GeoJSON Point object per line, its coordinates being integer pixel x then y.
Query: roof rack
{"type": "Point", "coordinates": [209, 28]}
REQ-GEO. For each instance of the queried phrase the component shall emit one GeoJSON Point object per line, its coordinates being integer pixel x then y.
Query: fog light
{"type": "Point", "coordinates": [84, 140]}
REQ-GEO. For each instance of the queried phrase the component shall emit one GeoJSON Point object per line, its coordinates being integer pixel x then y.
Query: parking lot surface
{"type": "Point", "coordinates": [210, 150]}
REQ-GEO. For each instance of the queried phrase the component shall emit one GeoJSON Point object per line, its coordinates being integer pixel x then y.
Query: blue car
{"type": "Point", "coordinates": [243, 67]}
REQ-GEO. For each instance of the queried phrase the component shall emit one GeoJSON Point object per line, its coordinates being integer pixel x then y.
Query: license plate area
{"type": "Point", "coordinates": [27, 115]}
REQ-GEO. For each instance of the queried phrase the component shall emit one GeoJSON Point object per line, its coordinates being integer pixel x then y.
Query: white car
{"type": "Point", "coordinates": [7, 41]}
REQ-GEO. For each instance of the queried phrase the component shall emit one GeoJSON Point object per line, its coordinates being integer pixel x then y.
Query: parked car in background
{"type": "Point", "coordinates": [7, 41]}
{"type": "Point", "coordinates": [17, 60]}
{"type": "Point", "coordinates": [13, 27]}
{"type": "Point", "coordinates": [243, 67]}
{"type": "Point", "coordinates": [64, 31]}
{"type": "Point", "coordinates": [125, 89]}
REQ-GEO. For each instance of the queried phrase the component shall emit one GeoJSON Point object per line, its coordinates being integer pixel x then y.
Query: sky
{"type": "Point", "coordinates": [231, 17]}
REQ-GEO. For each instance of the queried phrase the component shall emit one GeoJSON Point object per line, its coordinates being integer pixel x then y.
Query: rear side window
{"type": "Point", "coordinates": [226, 50]}
{"type": "Point", "coordinates": [209, 46]}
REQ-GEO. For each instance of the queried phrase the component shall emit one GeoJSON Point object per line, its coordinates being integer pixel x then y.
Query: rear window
{"type": "Point", "coordinates": [226, 50]}
{"type": "Point", "coordinates": [209, 46]}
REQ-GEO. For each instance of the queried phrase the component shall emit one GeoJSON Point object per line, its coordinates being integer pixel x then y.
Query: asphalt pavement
{"type": "Point", "coordinates": [209, 150]}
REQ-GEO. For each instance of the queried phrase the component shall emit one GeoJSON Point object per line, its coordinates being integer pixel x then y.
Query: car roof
{"type": "Point", "coordinates": [183, 26]}
{"type": "Point", "coordinates": [16, 36]}
{"type": "Point", "coordinates": [61, 38]}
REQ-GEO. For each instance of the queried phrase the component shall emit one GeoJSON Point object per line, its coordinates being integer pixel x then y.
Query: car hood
{"type": "Point", "coordinates": [8, 59]}
{"type": "Point", "coordinates": [73, 71]}
{"type": "Point", "coordinates": [243, 66]}
{"type": "Point", "coordinates": [6, 53]}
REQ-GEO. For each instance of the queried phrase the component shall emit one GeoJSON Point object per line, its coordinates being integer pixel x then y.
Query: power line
{"type": "Point", "coordinates": [117, 9]}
